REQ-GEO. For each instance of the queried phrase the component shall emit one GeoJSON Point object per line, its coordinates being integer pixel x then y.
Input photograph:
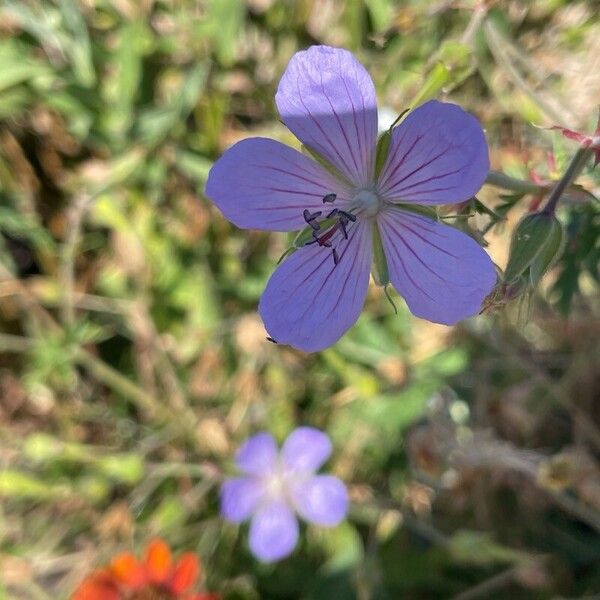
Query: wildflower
{"type": "Point", "coordinates": [276, 486]}
{"type": "Point", "coordinates": [155, 578]}
{"type": "Point", "coordinates": [372, 214]}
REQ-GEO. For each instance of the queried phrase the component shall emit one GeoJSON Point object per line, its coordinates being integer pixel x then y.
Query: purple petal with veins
{"type": "Point", "coordinates": [442, 273]}
{"type": "Point", "coordinates": [438, 155]}
{"type": "Point", "coordinates": [327, 100]}
{"type": "Point", "coordinates": [262, 184]}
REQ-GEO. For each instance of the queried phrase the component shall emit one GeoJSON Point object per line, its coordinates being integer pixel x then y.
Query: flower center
{"type": "Point", "coordinates": [275, 485]}
{"type": "Point", "coordinates": [366, 203]}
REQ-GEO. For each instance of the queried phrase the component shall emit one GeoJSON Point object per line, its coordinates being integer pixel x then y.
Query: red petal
{"type": "Point", "coordinates": [185, 573]}
{"type": "Point", "coordinates": [98, 586]}
{"type": "Point", "coordinates": [128, 571]}
{"type": "Point", "coordinates": [158, 561]}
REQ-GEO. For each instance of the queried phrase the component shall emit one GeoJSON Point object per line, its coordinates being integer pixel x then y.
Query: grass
{"type": "Point", "coordinates": [132, 359]}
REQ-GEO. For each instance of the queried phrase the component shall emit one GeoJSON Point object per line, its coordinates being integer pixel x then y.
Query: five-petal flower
{"type": "Point", "coordinates": [275, 486]}
{"type": "Point", "coordinates": [437, 155]}
{"type": "Point", "coordinates": [157, 577]}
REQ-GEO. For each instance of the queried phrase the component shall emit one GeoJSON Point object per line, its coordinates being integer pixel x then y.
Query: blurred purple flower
{"type": "Point", "coordinates": [276, 486]}
{"type": "Point", "coordinates": [437, 155]}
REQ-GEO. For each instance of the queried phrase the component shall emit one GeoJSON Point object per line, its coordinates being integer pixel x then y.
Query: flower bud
{"type": "Point", "coordinates": [535, 246]}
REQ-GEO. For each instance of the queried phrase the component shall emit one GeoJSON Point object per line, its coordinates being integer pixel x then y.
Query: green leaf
{"type": "Point", "coordinates": [14, 484]}
{"type": "Point", "coordinates": [78, 47]}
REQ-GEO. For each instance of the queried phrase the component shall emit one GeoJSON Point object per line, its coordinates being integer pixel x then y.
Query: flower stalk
{"type": "Point", "coordinates": [501, 180]}
{"type": "Point", "coordinates": [573, 171]}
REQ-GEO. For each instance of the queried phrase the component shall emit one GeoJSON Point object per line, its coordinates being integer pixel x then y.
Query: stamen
{"type": "Point", "coordinates": [343, 223]}
{"type": "Point", "coordinates": [308, 216]}
{"type": "Point", "coordinates": [324, 240]}
{"type": "Point", "coordinates": [324, 231]}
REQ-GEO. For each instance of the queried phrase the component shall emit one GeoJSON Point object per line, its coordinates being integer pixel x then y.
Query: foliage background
{"type": "Point", "coordinates": [132, 360]}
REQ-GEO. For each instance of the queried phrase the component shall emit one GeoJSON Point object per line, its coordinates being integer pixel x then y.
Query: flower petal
{"type": "Point", "coordinates": [438, 155]}
{"type": "Point", "coordinates": [158, 561]}
{"type": "Point", "coordinates": [273, 532]}
{"type": "Point", "coordinates": [306, 449]}
{"type": "Point", "coordinates": [98, 586]}
{"type": "Point", "coordinates": [128, 570]}
{"type": "Point", "coordinates": [322, 499]}
{"type": "Point", "coordinates": [185, 573]}
{"type": "Point", "coordinates": [442, 273]}
{"type": "Point", "coordinates": [240, 497]}
{"type": "Point", "coordinates": [262, 184]}
{"type": "Point", "coordinates": [327, 99]}
{"type": "Point", "coordinates": [309, 301]}
{"type": "Point", "coordinates": [258, 454]}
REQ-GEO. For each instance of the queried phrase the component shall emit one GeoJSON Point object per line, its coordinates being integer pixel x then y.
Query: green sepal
{"type": "Point", "coordinates": [425, 211]}
{"type": "Point", "coordinates": [535, 244]}
{"type": "Point", "coordinates": [383, 143]}
{"type": "Point", "coordinates": [381, 152]}
{"type": "Point", "coordinates": [379, 268]}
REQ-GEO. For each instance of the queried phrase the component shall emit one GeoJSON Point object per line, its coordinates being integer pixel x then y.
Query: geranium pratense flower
{"type": "Point", "coordinates": [157, 577]}
{"type": "Point", "coordinates": [362, 212]}
{"type": "Point", "coordinates": [275, 486]}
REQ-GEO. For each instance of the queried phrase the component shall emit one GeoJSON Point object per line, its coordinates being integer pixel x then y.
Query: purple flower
{"type": "Point", "coordinates": [276, 486]}
{"type": "Point", "coordinates": [360, 211]}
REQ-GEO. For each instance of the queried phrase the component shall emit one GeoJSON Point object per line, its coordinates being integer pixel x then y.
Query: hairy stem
{"type": "Point", "coordinates": [499, 179]}
{"type": "Point", "coordinates": [573, 170]}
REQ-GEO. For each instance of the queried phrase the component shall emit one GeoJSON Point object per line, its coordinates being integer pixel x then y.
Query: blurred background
{"type": "Point", "coordinates": [132, 359]}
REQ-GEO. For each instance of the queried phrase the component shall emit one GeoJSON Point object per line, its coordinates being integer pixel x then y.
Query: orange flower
{"type": "Point", "coordinates": [157, 577]}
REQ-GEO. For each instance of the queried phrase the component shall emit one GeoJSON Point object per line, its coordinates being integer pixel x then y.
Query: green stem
{"type": "Point", "coordinates": [117, 382]}
{"type": "Point", "coordinates": [573, 170]}
{"type": "Point", "coordinates": [15, 343]}
{"type": "Point", "coordinates": [498, 179]}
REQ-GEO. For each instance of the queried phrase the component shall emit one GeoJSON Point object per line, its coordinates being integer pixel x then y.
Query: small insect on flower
{"type": "Point", "coordinates": [375, 188]}
{"type": "Point", "coordinates": [276, 486]}
{"type": "Point", "coordinates": [157, 577]}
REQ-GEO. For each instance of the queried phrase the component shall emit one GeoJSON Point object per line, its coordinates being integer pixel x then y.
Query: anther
{"type": "Point", "coordinates": [343, 223]}
{"type": "Point", "coordinates": [336, 257]}
{"type": "Point", "coordinates": [308, 216]}
{"type": "Point", "coordinates": [329, 198]}
{"type": "Point", "coordinates": [333, 213]}
{"type": "Point", "coordinates": [348, 215]}
{"type": "Point", "coordinates": [270, 339]}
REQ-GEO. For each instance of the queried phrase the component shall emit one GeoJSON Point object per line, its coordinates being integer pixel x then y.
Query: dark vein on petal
{"type": "Point", "coordinates": [331, 144]}
{"type": "Point", "coordinates": [388, 176]}
{"type": "Point", "coordinates": [425, 240]}
{"type": "Point", "coordinates": [337, 118]}
{"type": "Point", "coordinates": [419, 168]}
{"type": "Point", "coordinates": [392, 246]}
